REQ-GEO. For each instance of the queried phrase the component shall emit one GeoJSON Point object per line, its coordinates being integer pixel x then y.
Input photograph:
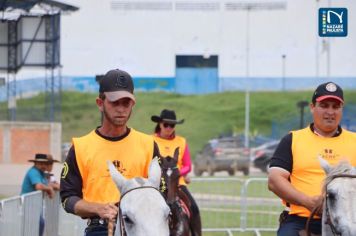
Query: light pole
{"type": "Point", "coordinates": [301, 105]}
{"type": "Point", "coordinates": [247, 93]}
{"type": "Point", "coordinates": [284, 72]}
{"type": "Point", "coordinates": [317, 45]}
{"type": "Point", "coordinates": [248, 7]}
{"type": "Point", "coordinates": [328, 55]}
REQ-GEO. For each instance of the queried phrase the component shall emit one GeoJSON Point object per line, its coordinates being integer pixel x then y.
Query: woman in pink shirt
{"type": "Point", "coordinates": [167, 140]}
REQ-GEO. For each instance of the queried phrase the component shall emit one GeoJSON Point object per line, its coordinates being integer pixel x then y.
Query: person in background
{"type": "Point", "coordinates": [86, 187]}
{"type": "Point", "coordinates": [167, 139]}
{"type": "Point", "coordinates": [35, 179]}
{"type": "Point", "coordinates": [49, 175]}
{"type": "Point", "coordinates": [295, 174]}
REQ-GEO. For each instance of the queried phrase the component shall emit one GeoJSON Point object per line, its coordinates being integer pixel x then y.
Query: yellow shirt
{"type": "Point", "coordinates": [307, 175]}
{"type": "Point", "coordinates": [167, 148]}
{"type": "Point", "coordinates": [131, 155]}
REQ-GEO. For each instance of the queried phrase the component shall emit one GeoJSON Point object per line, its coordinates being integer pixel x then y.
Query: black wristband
{"type": "Point", "coordinates": [69, 203]}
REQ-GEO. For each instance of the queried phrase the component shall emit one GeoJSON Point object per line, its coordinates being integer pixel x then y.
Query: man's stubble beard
{"type": "Point", "coordinates": [115, 122]}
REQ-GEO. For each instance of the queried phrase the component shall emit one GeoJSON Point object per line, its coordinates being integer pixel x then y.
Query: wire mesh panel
{"type": "Point", "coordinates": [260, 207]}
{"type": "Point", "coordinates": [218, 200]}
{"type": "Point", "coordinates": [236, 205]}
{"type": "Point", "coordinates": [11, 216]}
{"type": "Point", "coordinates": [51, 208]}
{"type": "Point", "coordinates": [32, 210]}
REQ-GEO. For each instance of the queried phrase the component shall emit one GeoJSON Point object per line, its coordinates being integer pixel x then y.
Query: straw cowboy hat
{"type": "Point", "coordinates": [47, 158]}
{"type": "Point", "coordinates": [167, 116]}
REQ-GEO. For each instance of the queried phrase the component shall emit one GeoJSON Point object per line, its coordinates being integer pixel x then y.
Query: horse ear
{"type": "Point", "coordinates": [156, 150]}
{"type": "Point", "coordinates": [176, 154]}
{"type": "Point", "coordinates": [324, 164]}
{"type": "Point", "coordinates": [154, 173]}
{"type": "Point", "coordinates": [117, 177]}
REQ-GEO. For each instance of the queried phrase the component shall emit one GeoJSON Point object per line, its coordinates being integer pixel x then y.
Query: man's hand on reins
{"type": "Point", "coordinates": [313, 202]}
{"type": "Point", "coordinates": [108, 211]}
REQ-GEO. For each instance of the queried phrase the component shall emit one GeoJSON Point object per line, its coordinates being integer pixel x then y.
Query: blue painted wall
{"type": "Point", "coordinates": [196, 80]}
{"type": "Point", "coordinates": [188, 81]}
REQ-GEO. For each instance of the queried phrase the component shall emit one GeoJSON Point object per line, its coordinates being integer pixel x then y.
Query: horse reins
{"type": "Point", "coordinates": [314, 211]}
{"type": "Point", "coordinates": [327, 211]}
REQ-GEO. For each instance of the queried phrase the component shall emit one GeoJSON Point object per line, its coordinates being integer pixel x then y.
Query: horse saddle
{"type": "Point", "coordinates": [185, 203]}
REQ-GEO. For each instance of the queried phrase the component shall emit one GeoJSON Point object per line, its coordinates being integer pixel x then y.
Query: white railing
{"type": "Point", "coordinates": [226, 205]}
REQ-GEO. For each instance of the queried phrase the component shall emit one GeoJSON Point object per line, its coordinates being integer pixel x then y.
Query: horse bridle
{"type": "Point", "coordinates": [121, 221]}
{"type": "Point", "coordinates": [168, 171]}
{"type": "Point", "coordinates": [327, 211]}
{"type": "Point", "coordinates": [172, 203]}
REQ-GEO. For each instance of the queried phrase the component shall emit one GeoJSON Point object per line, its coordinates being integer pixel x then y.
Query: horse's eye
{"type": "Point", "coordinates": [127, 219]}
{"type": "Point", "coordinates": [331, 196]}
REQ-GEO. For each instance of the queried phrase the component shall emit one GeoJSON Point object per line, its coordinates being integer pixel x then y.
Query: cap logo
{"type": "Point", "coordinates": [331, 87]}
{"type": "Point", "coordinates": [121, 82]}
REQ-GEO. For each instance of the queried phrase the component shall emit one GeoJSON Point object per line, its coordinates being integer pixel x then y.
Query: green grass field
{"type": "Point", "coordinates": [206, 116]}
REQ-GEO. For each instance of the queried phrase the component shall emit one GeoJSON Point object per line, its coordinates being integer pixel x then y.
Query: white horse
{"type": "Point", "coordinates": [339, 207]}
{"type": "Point", "coordinates": [143, 210]}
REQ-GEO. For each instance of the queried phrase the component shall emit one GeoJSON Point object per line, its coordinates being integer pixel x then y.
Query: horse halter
{"type": "Point", "coordinates": [327, 209]}
{"type": "Point", "coordinates": [121, 220]}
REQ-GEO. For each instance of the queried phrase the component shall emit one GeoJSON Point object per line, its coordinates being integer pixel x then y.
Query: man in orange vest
{"type": "Point", "coordinates": [87, 189]}
{"type": "Point", "coordinates": [295, 174]}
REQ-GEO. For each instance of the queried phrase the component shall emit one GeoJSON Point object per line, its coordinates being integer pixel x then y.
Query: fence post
{"type": "Point", "coordinates": [243, 199]}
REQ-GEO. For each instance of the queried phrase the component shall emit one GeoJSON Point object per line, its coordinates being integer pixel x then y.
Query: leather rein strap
{"type": "Point", "coordinates": [327, 211]}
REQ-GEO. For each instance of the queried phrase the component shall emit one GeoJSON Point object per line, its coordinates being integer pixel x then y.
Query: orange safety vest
{"type": "Point", "coordinates": [167, 148]}
{"type": "Point", "coordinates": [307, 175]}
{"type": "Point", "coordinates": [131, 155]}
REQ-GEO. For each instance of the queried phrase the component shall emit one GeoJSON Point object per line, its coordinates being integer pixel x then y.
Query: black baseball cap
{"type": "Point", "coordinates": [328, 90]}
{"type": "Point", "coordinates": [117, 84]}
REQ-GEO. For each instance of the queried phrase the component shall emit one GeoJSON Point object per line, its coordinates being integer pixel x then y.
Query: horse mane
{"type": "Point", "coordinates": [343, 167]}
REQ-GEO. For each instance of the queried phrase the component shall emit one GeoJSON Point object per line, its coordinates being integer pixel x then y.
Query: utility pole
{"type": "Point", "coordinates": [249, 7]}
{"type": "Point", "coordinates": [301, 105]}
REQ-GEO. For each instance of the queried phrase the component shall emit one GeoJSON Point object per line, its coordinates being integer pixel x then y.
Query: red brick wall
{"type": "Point", "coordinates": [20, 141]}
{"type": "Point", "coordinates": [25, 143]}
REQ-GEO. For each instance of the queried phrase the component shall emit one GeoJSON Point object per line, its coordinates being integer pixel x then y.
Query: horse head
{"type": "Point", "coordinates": [170, 175]}
{"type": "Point", "coordinates": [143, 210]}
{"type": "Point", "coordinates": [339, 191]}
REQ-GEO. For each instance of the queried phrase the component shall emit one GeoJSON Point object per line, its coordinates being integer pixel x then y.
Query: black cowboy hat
{"type": "Point", "coordinates": [167, 116]}
{"type": "Point", "coordinates": [45, 158]}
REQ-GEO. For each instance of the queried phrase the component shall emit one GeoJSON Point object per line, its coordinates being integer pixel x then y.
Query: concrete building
{"type": "Point", "coordinates": [207, 45]}
{"type": "Point", "coordinates": [272, 41]}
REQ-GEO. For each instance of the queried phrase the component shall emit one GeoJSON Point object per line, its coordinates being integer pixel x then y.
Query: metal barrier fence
{"type": "Point", "coordinates": [20, 215]}
{"type": "Point", "coordinates": [236, 205]}
{"type": "Point", "coordinates": [227, 206]}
